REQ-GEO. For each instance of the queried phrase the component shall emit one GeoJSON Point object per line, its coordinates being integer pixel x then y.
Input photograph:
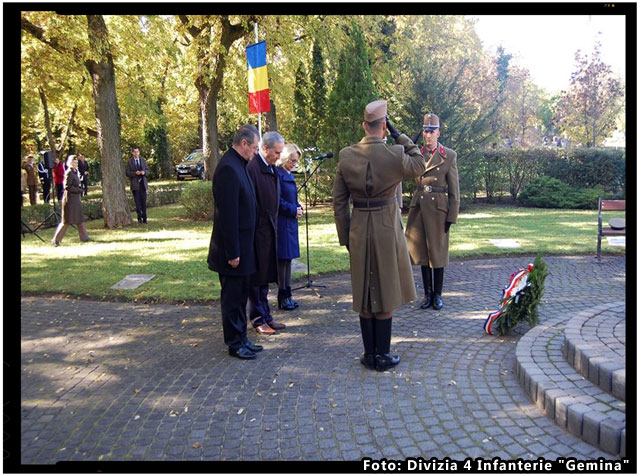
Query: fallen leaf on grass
{"type": "Point", "coordinates": [452, 382]}
{"type": "Point", "coordinates": [240, 411]}
{"type": "Point", "coordinates": [196, 445]}
{"type": "Point", "coordinates": [136, 390]}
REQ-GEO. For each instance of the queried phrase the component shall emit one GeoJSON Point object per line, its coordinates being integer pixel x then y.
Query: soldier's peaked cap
{"type": "Point", "coordinates": [375, 110]}
{"type": "Point", "coordinates": [431, 122]}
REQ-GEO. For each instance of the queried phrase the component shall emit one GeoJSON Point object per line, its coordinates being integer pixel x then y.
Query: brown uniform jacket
{"type": "Point", "coordinates": [71, 204]}
{"type": "Point", "coordinates": [32, 174]}
{"type": "Point", "coordinates": [429, 211]}
{"type": "Point", "coordinates": [381, 272]}
{"type": "Point", "coordinates": [267, 188]}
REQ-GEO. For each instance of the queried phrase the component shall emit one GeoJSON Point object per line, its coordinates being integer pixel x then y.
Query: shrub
{"type": "Point", "coordinates": [548, 192]}
{"type": "Point", "coordinates": [92, 208]}
{"type": "Point", "coordinates": [197, 200]}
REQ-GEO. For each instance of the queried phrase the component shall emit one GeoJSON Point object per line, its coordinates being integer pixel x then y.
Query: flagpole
{"type": "Point", "coordinates": [255, 28]}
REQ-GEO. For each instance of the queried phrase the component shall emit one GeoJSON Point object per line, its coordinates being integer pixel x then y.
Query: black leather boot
{"type": "Point", "coordinates": [368, 330]}
{"type": "Point", "coordinates": [427, 302]}
{"type": "Point", "coordinates": [384, 359]}
{"type": "Point", "coordinates": [283, 301]}
{"type": "Point", "coordinates": [438, 278]}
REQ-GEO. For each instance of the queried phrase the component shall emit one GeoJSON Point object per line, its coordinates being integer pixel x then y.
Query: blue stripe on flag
{"type": "Point", "coordinates": [257, 55]}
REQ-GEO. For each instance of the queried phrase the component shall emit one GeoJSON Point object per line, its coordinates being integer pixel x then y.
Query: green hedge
{"type": "Point", "coordinates": [92, 208]}
{"type": "Point", "coordinates": [497, 172]}
{"type": "Point", "coordinates": [548, 192]}
{"type": "Point", "coordinates": [197, 200]}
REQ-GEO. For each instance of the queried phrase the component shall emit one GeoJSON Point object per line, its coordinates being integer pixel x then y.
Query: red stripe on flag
{"type": "Point", "coordinates": [259, 102]}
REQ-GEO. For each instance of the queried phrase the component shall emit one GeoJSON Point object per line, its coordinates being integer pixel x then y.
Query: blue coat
{"type": "Point", "coordinates": [288, 247]}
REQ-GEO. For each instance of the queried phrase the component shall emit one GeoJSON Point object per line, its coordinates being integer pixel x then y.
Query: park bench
{"type": "Point", "coordinates": [617, 226]}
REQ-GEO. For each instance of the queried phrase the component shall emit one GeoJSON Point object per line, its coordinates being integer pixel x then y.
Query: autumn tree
{"type": "Point", "coordinates": [211, 37]}
{"type": "Point", "coordinates": [96, 57]}
{"type": "Point", "coordinates": [589, 109]}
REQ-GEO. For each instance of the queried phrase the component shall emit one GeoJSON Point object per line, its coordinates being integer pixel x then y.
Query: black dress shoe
{"type": "Point", "coordinates": [437, 302]}
{"type": "Point", "coordinates": [427, 302]}
{"type": "Point", "coordinates": [368, 360]}
{"type": "Point", "coordinates": [386, 361]}
{"type": "Point", "coordinates": [242, 353]}
{"type": "Point", "coordinates": [294, 302]}
{"type": "Point", "coordinates": [251, 346]}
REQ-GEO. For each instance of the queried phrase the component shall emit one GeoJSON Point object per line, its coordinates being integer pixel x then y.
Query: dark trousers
{"type": "Point", "coordinates": [59, 191]}
{"type": "Point", "coordinates": [84, 184]}
{"type": "Point", "coordinates": [233, 305]}
{"type": "Point", "coordinates": [33, 194]}
{"type": "Point", "coordinates": [46, 190]}
{"type": "Point", "coordinates": [259, 312]}
{"type": "Point", "coordinates": [140, 197]}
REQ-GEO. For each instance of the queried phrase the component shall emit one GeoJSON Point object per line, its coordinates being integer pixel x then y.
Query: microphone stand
{"type": "Point", "coordinates": [309, 283]}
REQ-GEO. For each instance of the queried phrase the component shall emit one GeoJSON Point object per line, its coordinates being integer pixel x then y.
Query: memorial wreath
{"type": "Point", "coordinates": [520, 299]}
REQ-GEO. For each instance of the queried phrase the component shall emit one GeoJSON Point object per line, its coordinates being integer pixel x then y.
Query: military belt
{"type": "Point", "coordinates": [429, 188]}
{"type": "Point", "coordinates": [373, 203]}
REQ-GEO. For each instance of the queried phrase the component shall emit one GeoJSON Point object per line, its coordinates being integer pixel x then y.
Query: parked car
{"type": "Point", "coordinates": [192, 166]}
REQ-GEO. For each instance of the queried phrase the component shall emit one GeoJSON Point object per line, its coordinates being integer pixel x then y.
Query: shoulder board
{"type": "Point", "coordinates": [442, 152]}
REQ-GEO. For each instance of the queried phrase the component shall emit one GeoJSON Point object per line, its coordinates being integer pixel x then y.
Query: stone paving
{"type": "Point", "coordinates": [108, 381]}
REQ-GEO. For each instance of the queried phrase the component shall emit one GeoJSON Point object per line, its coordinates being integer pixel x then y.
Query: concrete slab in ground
{"type": "Point", "coordinates": [133, 281]}
{"type": "Point", "coordinates": [506, 243]}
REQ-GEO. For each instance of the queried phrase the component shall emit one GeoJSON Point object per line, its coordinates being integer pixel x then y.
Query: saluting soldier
{"type": "Point", "coordinates": [434, 207]}
{"type": "Point", "coordinates": [368, 173]}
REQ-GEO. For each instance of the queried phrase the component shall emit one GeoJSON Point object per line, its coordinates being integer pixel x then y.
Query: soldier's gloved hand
{"type": "Point", "coordinates": [447, 225]}
{"type": "Point", "coordinates": [392, 130]}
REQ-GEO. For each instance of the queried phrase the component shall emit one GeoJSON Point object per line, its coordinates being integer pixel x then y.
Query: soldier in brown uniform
{"type": "Point", "coordinates": [368, 173]}
{"type": "Point", "coordinates": [434, 207]}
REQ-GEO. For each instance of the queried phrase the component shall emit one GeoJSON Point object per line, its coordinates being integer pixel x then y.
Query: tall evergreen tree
{"type": "Point", "coordinates": [352, 91]}
{"type": "Point", "coordinates": [301, 107]}
{"type": "Point", "coordinates": [318, 99]}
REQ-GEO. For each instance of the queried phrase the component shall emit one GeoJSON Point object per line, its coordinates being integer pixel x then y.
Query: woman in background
{"type": "Point", "coordinates": [288, 213]}
{"type": "Point", "coordinates": [71, 204]}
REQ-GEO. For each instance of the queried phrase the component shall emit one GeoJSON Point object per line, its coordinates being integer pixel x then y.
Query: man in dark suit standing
{"type": "Point", "coordinates": [83, 171]}
{"type": "Point", "coordinates": [262, 171]}
{"type": "Point", "coordinates": [137, 171]}
{"type": "Point", "coordinates": [232, 249]}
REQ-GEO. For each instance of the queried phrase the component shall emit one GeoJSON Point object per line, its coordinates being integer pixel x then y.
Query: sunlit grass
{"type": "Point", "coordinates": [175, 250]}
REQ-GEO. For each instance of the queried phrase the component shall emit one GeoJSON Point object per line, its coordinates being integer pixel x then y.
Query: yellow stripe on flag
{"type": "Point", "coordinates": [258, 79]}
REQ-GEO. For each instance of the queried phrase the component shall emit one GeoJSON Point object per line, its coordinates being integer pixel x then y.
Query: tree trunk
{"type": "Point", "coordinates": [209, 106]}
{"type": "Point", "coordinates": [47, 123]}
{"type": "Point", "coordinates": [115, 205]}
{"type": "Point", "coordinates": [271, 119]}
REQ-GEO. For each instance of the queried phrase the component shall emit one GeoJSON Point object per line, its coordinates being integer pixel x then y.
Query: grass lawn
{"type": "Point", "coordinates": [175, 250]}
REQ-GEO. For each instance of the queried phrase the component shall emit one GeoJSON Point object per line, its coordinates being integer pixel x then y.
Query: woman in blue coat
{"type": "Point", "coordinates": [288, 213]}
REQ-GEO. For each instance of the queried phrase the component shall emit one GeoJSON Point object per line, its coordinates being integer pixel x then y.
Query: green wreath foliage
{"type": "Point", "coordinates": [524, 306]}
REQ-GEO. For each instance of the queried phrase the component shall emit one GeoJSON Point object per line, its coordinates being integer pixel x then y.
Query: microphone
{"type": "Point", "coordinates": [328, 155]}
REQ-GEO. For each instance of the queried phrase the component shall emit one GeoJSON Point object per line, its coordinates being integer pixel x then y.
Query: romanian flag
{"type": "Point", "coordinates": [258, 80]}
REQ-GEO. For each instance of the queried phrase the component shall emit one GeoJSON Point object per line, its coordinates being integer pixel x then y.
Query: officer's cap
{"type": "Point", "coordinates": [431, 122]}
{"type": "Point", "coordinates": [375, 110]}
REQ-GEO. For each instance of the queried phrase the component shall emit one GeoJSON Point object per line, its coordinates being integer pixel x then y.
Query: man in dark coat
{"type": "Point", "coordinates": [137, 171]}
{"type": "Point", "coordinates": [45, 180]}
{"type": "Point", "coordinates": [262, 171]}
{"type": "Point", "coordinates": [232, 249]}
{"type": "Point", "coordinates": [83, 170]}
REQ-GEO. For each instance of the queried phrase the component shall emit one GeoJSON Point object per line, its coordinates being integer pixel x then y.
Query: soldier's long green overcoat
{"type": "Point", "coordinates": [429, 211]}
{"type": "Point", "coordinates": [380, 267]}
